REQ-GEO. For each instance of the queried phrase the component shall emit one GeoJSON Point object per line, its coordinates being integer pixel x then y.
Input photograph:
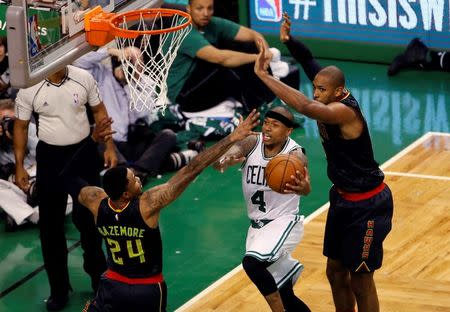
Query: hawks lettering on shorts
{"type": "Point", "coordinates": [368, 238]}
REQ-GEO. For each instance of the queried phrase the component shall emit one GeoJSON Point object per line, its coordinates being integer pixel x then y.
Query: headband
{"type": "Point", "coordinates": [284, 120]}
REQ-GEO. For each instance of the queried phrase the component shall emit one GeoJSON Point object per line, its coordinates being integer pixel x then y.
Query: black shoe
{"type": "Point", "coordinates": [55, 303]}
{"type": "Point", "coordinates": [196, 145]}
{"type": "Point", "coordinates": [415, 53]}
{"type": "Point", "coordinates": [10, 224]}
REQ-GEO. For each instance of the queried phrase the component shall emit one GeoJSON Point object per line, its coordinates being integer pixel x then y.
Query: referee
{"type": "Point", "coordinates": [59, 105]}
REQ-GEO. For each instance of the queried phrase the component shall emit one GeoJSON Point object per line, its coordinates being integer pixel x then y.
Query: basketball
{"type": "Point", "coordinates": [279, 170]}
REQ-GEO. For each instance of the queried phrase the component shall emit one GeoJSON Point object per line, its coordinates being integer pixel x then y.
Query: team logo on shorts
{"type": "Point", "coordinates": [269, 10]}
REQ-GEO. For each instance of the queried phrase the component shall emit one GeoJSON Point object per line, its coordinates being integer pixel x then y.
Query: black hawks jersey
{"type": "Point", "coordinates": [351, 164]}
{"type": "Point", "coordinates": [134, 249]}
{"type": "Point", "coordinates": [262, 201]}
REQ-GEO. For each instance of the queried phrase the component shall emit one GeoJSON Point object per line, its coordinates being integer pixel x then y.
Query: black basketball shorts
{"type": "Point", "coordinates": [115, 296]}
{"type": "Point", "coordinates": [355, 229]}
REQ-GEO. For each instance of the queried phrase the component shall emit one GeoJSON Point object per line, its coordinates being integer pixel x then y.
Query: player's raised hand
{"type": "Point", "coordinates": [228, 161]}
{"type": "Point", "coordinates": [244, 129]}
{"type": "Point", "coordinates": [262, 60]}
{"type": "Point", "coordinates": [300, 184]}
{"type": "Point", "coordinates": [285, 29]}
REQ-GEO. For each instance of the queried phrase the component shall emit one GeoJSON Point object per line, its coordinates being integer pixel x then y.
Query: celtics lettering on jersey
{"type": "Point", "coordinates": [262, 202]}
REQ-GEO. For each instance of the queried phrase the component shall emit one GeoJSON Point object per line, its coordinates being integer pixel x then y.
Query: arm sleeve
{"type": "Point", "coordinates": [227, 30]}
{"type": "Point", "coordinates": [90, 59]}
{"type": "Point", "coordinates": [23, 107]}
{"type": "Point", "coordinates": [94, 97]}
{"type": "Point", "coordinates": [193, 42]}
{"type": "Point", "coordinates": [303, 55]}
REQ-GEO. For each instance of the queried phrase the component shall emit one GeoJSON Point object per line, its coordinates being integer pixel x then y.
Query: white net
{"type": "Point", "coordinates": [146, 59]}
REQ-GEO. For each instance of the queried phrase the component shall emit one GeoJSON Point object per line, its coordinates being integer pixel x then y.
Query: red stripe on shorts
{"type": "Point", "coordinates": [362, 196]}
{"type": "Point", "coordinates": [142, 280]}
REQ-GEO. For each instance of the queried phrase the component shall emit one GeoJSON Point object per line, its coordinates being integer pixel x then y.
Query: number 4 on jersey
{"type": "Point", "coordinates": [258, 199]}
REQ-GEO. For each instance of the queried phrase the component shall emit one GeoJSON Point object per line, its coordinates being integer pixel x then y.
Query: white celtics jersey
{"type": "Point", "coordinates": [262, 202]}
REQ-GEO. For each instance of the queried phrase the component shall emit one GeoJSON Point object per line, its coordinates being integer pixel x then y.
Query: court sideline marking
{"type": "Point", "coordinates": [317, 212]}
{"type": "Point", "coordinates": [32, 274]}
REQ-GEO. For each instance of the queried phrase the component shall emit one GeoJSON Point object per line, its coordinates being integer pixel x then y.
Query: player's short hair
{"type": "Point", "coordinates": [115, 182]}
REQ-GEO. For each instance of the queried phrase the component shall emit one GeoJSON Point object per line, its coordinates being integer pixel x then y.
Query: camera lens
{"type": "Point", "coordinates": [8, 124]}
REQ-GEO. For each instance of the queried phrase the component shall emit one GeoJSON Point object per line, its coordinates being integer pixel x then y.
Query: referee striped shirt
{"type": "Point", "coordinates": [61, 107]}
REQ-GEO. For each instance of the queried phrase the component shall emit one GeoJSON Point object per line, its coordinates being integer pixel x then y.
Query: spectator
{"type": "Point", "coordinates": [418, 56]}
{"type": "Point", "coordinates": [15, 202]}
{"type": "Point", "coordinates": [5, 88]}
{"type": "Point", "coordinates": [205, 63]}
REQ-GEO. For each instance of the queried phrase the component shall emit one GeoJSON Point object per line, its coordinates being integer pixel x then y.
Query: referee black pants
{"type": "Point", "coordinates": [63, 170]}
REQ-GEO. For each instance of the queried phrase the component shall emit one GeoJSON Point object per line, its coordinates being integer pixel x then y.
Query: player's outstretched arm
{"type": "Point", "coordinates": [160, 196]}
{"type": "Point", "coordinates": [236, 154]}
{"type": "Point", "coordinates": [333, 113]}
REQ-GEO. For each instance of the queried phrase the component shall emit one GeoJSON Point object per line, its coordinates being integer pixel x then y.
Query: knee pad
{"type": "Point", "coordinates": [260, 276]}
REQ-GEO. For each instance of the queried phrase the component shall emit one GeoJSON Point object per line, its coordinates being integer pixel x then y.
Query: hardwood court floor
{"type": "Point", "coordinates": [416, 272]}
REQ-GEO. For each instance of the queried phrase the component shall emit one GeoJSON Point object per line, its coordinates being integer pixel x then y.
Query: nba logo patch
{"type": "Point", "coordinates": [76, 99]}
{"type": "Point", "coordinates": [269, 10]}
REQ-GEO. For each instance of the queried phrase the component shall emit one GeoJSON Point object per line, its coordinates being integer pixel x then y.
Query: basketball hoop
{"type": "Point", "coordinates": [148, 40]}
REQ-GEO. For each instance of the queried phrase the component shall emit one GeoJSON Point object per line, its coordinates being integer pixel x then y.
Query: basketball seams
{"type": "Point", "coordinates": [282, 182]}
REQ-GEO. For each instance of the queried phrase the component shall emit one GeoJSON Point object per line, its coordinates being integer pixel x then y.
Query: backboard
{"type": "Point", "coordinates": [44, 36]}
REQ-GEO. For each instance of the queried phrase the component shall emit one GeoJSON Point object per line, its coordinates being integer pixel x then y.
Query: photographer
{"type": "Point", "coordinates": [20, 207]}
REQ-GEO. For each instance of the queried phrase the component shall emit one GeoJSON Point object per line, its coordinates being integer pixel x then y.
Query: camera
{"type": "Point", "coordinates": [7, 124]}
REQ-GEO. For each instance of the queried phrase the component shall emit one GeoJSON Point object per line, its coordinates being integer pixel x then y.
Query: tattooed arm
{"type": "Point", "coordinates": [153, 200]}
{"type": "Point", "coordinates": [90, 197]}
{"type": "Point", "coordinates": [236, 154]}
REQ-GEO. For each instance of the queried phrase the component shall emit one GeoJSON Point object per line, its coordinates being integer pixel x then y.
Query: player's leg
{"type": "Point", "coordinates": [290, 301]}
{"type": "Point", "coordinates": [338, 275]}
{"type": "Point", "coordinates": [363, 286]}
{"type": "Point", "coordinates": [265, 247]}
{"type": "Point", "coordinates": [340, 282]}
{"type": "Point", "coordinates": [362, 248]}
{"type": "Point", "coordinates": [264, 281]}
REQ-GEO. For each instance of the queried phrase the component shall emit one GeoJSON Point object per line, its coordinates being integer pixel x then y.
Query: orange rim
{"type": "Point", "coordinates": [146, 13]}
